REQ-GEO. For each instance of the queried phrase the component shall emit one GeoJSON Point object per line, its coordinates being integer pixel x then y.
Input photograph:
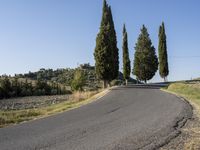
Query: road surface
{"type": "Point", "coordinates": [128, 118]}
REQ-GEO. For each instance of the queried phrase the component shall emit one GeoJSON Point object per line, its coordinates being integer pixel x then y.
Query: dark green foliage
{"type": "Point", "coordinates": [12, 87]}
{"type": "Point", "coordinates": [162, 49]}
{"type": "Point", "coordinates": [20, 85]}
{"type": "Point", "coordinates": [116, 82]}
{"type": "Point", "coordinates": [102, 54]}
{"type": "Point", "coordinates": [79, 80]}
{"type": "Point", "coordinates": [145, 62]}
{"type": "Point", "coordinates": [131, 80]}
{"type": "Point", "coordinates": [6, 88]}
{"type": "Point", "coordinates": [63, 76]}
{"type": "Point", "coordinates": [26, 88]}
{"type": "Point", "coordinates": [126, 59]}
{"type": "Point", "coordinates": [106, 51]}
{"type": "Point", "coordinates": [42, 88]}
{"type": "Point", "coordinates": [114, 49]}
{"type": "Point", "coordinates": [16, 88]}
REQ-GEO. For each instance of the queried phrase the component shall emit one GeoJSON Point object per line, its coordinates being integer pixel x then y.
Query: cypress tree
{"type": "Point", "coordinates": [106, 51]}
{"type": "Point", "coordinates": [126, 60]}
{"type": "Point", "coordinates": [113, 46]}
{"type": "Point", "coordinates": [162, 49]}
{"type": "Point", "coordinates": [145, 62]}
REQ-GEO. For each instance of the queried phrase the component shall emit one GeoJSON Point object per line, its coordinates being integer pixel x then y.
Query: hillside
{"type": "Point", "coordinates": [51, 82]}
{"type": "Point", "coordinates": [62, 76]}
{"type": "Point", "coordinates": [65, 76]}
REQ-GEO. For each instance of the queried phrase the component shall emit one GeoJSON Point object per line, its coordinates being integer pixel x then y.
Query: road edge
{"type": "Point", "coordinates": [85, 102]}
{"type": "Point", "coordinates": [187, 121]}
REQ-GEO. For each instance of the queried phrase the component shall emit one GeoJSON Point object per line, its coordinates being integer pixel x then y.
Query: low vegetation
{"type": "Point", "coordinates": [79, 80]}
{"type": "Point", "coordinates": [190, 91]}
{"type": "Point", "coordinates": [13, 87]}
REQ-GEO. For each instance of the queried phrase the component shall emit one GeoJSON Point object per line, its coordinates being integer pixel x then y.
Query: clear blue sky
{"type": "Point", "coordinates": [61, 33]}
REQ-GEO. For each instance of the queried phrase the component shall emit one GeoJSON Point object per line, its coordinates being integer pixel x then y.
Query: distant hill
{"type": "Point", "coordinates": [62, 76]}
{"type": "Point", "coordinates": [50, 82]}
{"type": "Point", "coordinates": [65, 76]}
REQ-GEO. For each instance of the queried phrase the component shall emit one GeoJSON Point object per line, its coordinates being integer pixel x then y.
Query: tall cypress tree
{"type": "Point", "coordinates": [162, 49]}
{"type": "Point", "coordinates": [106, 51]}
{"type": "Point", "coordinates": [126, 60]}
{"type": "Point", "coordinates": [145, 62]}
{"type": "Point", "coordinates": [113, 46]}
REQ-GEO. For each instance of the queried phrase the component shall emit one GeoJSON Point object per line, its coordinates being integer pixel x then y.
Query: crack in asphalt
{"type": "Point", "coordinates": [113, 110]}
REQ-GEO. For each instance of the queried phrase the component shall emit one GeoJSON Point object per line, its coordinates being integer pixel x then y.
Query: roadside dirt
{"type": "Point", "coordinates": [189, 139]}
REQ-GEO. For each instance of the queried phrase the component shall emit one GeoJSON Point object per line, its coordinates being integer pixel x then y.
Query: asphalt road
{"type": "Point", "coordinates": [135, 117]}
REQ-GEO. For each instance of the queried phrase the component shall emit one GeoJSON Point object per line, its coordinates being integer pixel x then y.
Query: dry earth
{"type": "Point", "coordinates": [189, 137]}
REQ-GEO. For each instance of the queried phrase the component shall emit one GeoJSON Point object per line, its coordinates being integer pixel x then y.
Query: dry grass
{"type": "Point", "coordinates": [191, 92]}
{"type": "Point", "coordinates": [76, 100]}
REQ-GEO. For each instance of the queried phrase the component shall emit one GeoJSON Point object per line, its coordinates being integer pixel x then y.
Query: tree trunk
{"type": "Point", "coordinates": [137, 81]}
{"type": "Point", "coordinates": [126, 82]}
{"type": "Point", "coordinates": [105, 84]}
{"type": "Point", "coordinates": [145, 81]}
{"type": "Point", "coordinates": [165, 79]}
{"type": "Point", "coordinates": [108, 84]}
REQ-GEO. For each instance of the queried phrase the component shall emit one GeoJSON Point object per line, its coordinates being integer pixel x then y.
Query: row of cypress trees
{"type": "Point", "coordinates": [145, 60]}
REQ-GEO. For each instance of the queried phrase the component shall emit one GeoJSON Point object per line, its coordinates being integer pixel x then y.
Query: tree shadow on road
{"type": "Point", "coordinates": [138, 87]}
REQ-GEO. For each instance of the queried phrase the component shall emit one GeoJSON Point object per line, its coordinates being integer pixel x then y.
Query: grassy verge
{"type": "Point", "coordinates": [191, 92]}
{"type": "Point", "coordinates": [78, 99]}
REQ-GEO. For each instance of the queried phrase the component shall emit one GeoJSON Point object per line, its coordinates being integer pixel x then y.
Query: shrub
{"type": "Point", "coordinates": [79, 80]}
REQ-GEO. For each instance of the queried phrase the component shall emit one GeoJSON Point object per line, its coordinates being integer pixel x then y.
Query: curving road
{"type": "Point", "coordinates": [128, 118]}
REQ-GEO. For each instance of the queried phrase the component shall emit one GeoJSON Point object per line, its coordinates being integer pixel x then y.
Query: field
{"type": "Point", "coordinates": [32, 102]}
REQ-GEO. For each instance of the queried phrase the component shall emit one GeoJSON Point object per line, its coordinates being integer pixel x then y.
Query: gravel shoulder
{"type": "Point", "coordinates": [189, 137]}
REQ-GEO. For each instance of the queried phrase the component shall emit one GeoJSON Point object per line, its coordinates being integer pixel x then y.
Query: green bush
{"type": "Point", "coordinates": [116, 82]}
{"type": "Point", "coordinates": [79, 80]}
